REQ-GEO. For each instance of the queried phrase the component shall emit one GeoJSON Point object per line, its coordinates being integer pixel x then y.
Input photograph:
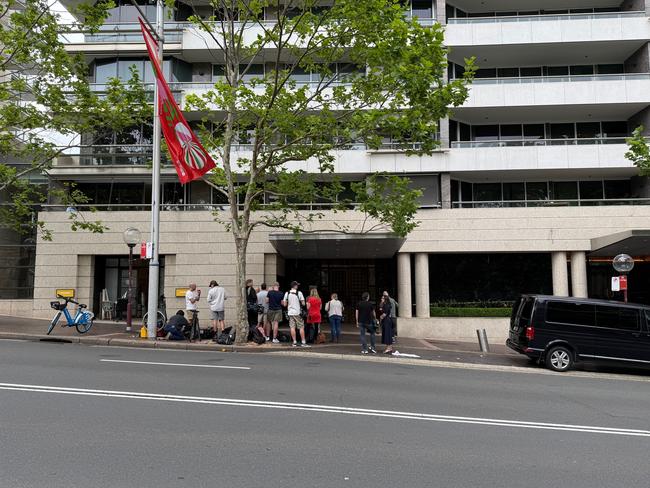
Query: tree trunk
{"type": "Point", "coordinates": [241, 245]}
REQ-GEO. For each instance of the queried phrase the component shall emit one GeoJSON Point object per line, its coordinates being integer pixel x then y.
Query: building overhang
{"type": "Point", "coordinates": [336, 246]}
{"type": "Point", "coordinates": [635, 242]}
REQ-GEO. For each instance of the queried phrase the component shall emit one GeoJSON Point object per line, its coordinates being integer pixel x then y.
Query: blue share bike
{"type": "Point", "coordinates": [83, 320]}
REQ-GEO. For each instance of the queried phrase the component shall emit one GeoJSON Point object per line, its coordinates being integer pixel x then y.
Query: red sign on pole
{"type": "Point", "coordinates": [623, 282]}
{"type": "Point", "coordinates": [143, 250]}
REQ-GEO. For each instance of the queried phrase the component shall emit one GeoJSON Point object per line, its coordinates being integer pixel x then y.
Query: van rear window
{"type": "Point", "coordinates": [571, 313]}
{"type": "Point", "coordinates": [617, 317]}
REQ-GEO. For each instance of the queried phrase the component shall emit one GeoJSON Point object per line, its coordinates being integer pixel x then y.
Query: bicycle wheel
{"type": "Point", "coordinates": [53, 323]}
{"type": "Point", "coordinates": [85, 327]}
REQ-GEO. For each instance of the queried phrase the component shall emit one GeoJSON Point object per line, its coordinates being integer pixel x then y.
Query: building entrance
{"type": "Point", "coordinates": [349, 278]}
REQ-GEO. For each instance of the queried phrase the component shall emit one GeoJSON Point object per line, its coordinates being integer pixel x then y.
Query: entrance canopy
{"type": "Point", "coordinates": [337, 246]}
{"type": "Point", "coordinates": [633, 242]}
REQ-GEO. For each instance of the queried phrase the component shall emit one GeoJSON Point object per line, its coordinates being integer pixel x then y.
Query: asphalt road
{"type": "Point", "coordinates": [80, 416]}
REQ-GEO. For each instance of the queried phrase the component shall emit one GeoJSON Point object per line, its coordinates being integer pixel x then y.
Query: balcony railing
{"type": "Point", "coordinates": [121, 33]}
{"type": "Point", "coordinates": [561, 78]}
{"type": "Point", "coordinates": [539, 142]}
{"type": "Point", "coordinates": [545, 17]}
{"type": "Point", "coordinates": [551, 203]}
{"type": "Point", "coordinates": [110, 155]}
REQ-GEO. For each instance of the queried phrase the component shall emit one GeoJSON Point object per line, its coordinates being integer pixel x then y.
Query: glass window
{"type": "Point", "coordinates": [582, 70]}
{"type": "Point", "coordinates": [422, 9]}
{"type": "Point", "coordinates": [487, 192]}
{"type": "Point", "coordinates": [557, 70]}
{"type": "Point", "coordinates": [536, 191]}
{"type": "Point", "coordinates": [570, 313]}
{"type": "Point", "coordinates": [615, 129]}
{"type": "Point", "coordinates": [486, 73]}
{"type": "Point", "coordinates": [588, 130]}
{"type": "Point", "coordinates": [252, 71]}
{"type": "Point", "coordinates": [534, 131]}
{"type": "Point", "coordinates": [511, 132]}
{"type": "Point", "coordinates": [300, 75]}
{"type": "Point", "coordinates": [508, 72]}
{"type": "Point", "coordinates": [218, 71]}
{"type": "Point", "coordinates": [591, 190]}
{"type": "Point", "coordinates": [104, 70]}
{"type": "Point", "coordinates": [124, 68]}
{"type": "Point", "coordinates": [485, 132]}
{"type": "Point", "coordinates": [564, 190]}
{"type": "Point", "coordinates": [455, 188]}
{"type": "Point", "coordinates": [618, 189]}
{"type": "Point", "coordinates": [453, 130]}
{"type": "Point", "coordinates": [530, 71]}
{"type": "Point", "coordinates": [466, 191]}
{"type": "Point", "coordinates": [465, 132]}
{"type": "Point", "coordinates": [562, 131]}
{"type": "Point", "coordinates": [609, 69]}
{"type": "Point", "coordinates": [514, 191]}
{"type": "Point", "coordinates": [617, 317]}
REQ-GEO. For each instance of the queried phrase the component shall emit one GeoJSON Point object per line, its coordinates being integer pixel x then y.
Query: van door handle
{"type": "Point", "coordinates": [636, 334]}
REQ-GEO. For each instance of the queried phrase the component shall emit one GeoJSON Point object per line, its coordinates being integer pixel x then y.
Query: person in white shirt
{"type": "Point", "coordinates": [192, 298]}
{"type": "Point", "coordinates": [262, 318]}
{"type": "Point", "coordinates": [334, 309]}
{"type": "Point", "coordinates": [216, 301]}
{"type": "Point", "coordinates": [294, 301]}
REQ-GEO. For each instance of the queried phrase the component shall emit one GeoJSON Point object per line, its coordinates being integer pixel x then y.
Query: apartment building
{"type": "Point", "coordinates": [529, 191]}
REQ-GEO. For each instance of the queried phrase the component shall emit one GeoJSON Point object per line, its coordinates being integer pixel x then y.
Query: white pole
{"type": "Point", "coordinates": [154, 264]}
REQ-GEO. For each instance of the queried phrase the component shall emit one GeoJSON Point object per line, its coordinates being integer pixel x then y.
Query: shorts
{"type": "Point", "coordinates": [261, 318]}
{"type": "Point", "coordinates": [275, 315]}
{"type": "Point", "coordinates": [295, 321]}
{"type": "Point", "coordinates": [217, 315]}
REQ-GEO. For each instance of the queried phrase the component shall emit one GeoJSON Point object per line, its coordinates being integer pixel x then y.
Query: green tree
{"type": "Point", "coordinates": [638, 151]}
{"type": "Point", "coordinates": [45, 97]}
{"type": "Point", "coordinates": [373, 74]}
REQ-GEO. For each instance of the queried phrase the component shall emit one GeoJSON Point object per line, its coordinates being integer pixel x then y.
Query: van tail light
{"type": "Point", "coordinates": [530, 333]}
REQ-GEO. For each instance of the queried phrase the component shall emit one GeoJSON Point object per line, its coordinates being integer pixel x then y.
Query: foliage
{"type": "Point", "coordinates": [639, 152]}
{"type": "Point", "coordinates": [470, 312]}
{"type": "Point", "coordinates": [45, 98]}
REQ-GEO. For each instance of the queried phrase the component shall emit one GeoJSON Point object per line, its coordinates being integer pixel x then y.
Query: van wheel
{"type": "Point", "coordinates": [559, 358]}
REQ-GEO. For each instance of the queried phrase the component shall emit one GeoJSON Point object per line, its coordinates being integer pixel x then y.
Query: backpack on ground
{"type": "Point", "coordinates": [227, 337]}
{"type": "Point", "coordinates": [257, 337]}
{"type": "Point", "coordinates": [207, 333]}
{"type": "Point", "coordinates": [284, 337]}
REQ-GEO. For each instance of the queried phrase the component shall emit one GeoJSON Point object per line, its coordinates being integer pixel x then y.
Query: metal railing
{"type": "Point", "coordinates": [545, 17]}
{"type": "Point", "coordinates": [551, 203]}
{"type": "Point", "coordinates": [538, 142]}
{"type": "Point", "coordinates": [561, 78]}
{"type": "Point", "coordinates": [109, 155]}
{"type": "Point", "coordinates": [175, 207]}
{"type": "Point", "coordinates": [119, 33]}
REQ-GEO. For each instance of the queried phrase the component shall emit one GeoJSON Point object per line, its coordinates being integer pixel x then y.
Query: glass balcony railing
{"type": "Point", "coordinates": [539, 142]}
{"type": "Point", "coordinates": [551, 203]}
{"type": "Point", "coordinates": [119, 33]}
{"type": "Point", "coordinates": [561, 78]}
{"type": "Point", "coordinates": [545, 17]}
{"type": "Point", "coordinates": [109, 155]}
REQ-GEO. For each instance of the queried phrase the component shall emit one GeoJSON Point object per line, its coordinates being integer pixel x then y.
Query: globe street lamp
{"type": "Point", "coordinates": [131, 238]}
{"type": "Point", "coordinates": [623, 263]}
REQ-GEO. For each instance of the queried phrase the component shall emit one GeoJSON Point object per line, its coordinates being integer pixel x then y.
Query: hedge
{"type": "Point", "coordinates": [470, 312]}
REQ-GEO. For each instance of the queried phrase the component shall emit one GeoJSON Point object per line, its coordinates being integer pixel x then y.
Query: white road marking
{"type": "Point", "coordinates": [173, 364]}
{"type": "Point", "coordinates": [593, 429]}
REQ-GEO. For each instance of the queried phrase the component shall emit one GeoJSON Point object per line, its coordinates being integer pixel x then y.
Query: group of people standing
{"type": "Point", "coordinates": [266, 309]}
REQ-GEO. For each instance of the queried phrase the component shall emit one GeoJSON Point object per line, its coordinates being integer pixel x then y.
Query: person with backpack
{"type": "Point", "coordinates": [334, 309]}
{"type": "Point", "coordinates": [314, 305]}
{"type": "Point", "coordinates": [294, 301]}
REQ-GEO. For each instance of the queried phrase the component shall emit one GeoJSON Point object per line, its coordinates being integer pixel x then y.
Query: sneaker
{"type": "Point", "coordinates": [304, 344]}
{"type": "Point", "coordinates": [372, 350]}
{"type": "Point", "coordinates": [275, 341]}
{"type": "Point", "coordinates": [363, 351]}
{"type": "Point", "coordinates": [294, 344]}
{"type": "Point", "coordinates": [268, 339]}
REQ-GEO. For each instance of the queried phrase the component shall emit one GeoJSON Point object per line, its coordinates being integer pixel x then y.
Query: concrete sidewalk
{"type": "Point", "coordinates": [113, 334]}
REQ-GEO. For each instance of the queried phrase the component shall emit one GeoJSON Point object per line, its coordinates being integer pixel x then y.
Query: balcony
{"type": "Point", "coordinates": [548, 29]}
{"type": "Point", "coordinates": [119, 37]}
{"type": "Point", "coordinates": [538, 142]}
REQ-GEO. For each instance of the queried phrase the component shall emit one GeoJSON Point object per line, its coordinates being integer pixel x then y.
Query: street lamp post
{"type": "Point", "coordinates": [132, 237]}
{"type": "Point", "coordinates": [623, 263]}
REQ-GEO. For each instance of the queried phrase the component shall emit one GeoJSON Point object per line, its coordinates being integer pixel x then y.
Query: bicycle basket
{"type": "Point", "coordinates": [56, 305]}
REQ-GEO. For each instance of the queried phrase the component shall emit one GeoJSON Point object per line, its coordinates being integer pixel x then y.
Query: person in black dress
{"type": "Point", "coordinates": [386, 324]}
{"type": "Point", "coordinates": [251, 304]}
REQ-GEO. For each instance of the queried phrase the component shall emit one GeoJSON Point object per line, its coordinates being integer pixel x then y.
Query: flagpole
{"type": "Point", "coordinates": [154, 264]}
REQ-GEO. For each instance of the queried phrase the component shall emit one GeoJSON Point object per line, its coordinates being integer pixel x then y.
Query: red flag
{"type": "Point", "coordinates": [190, 158]}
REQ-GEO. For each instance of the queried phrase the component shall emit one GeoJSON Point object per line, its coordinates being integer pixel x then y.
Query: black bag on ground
{"type": "Point", "coordinates": [257, 337]}
{"type": "Point", "coordinates": [207, 333]}
{"type": "Point", "coordinates": [227, 337]}
{"type": "Point", "coordinates": [284, 337]}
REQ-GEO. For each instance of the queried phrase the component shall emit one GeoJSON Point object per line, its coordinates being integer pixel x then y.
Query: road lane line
{"type": "Point", "coordinates": [173, 364]}
{"type": "Point", "coordinates": [594, 429]}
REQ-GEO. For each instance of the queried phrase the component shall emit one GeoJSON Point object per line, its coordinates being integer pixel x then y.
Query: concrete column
{"type": "Point", "coordinates": [579, 274]}
{"type": "Point", "coordinates": [422, 303]}
{"type": "Point", "coordinates": [441, 14]}
{"type": "Point", "coordinates": [444, 129]}
{"type": "Point", "coordinates": [445, 190]}
{"type": "Point", "coordinates": [560, 275]}
{"type": "Point", "coordinates": [404, 285]}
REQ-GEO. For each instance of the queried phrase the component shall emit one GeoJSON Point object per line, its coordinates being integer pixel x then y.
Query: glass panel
{"type": "Point", "coordinates": [486, 73]}
{"type": "Point", "coordinates": [562, 131]}
{"type": "Point", "coordinates": [582, 70]}
{"type": "Point", "coordinates": [422, 9]}
{"type": "Point", "coordinates": [617, 318]}
{"type": "Point", "coordinates": [511, 132]}
{"type": "Point", "coordinates": [608, 69]}
{"type": "Point", "coordinates": [465, 132]}
{"type": "Point", "coordinates": [104, 70]}
{"type": "Point", "coordinates": [589, 130]}
{"type": "Point", "coordinates": [252, 71]}
{"type": "Point", "coordinates": [465, 191]}
{"type": "Point", "coordinates": [533, 131]}
{"type": "Point", "coordinates": [557, 70]}
{"type": "Point", "coordinates": [485, 132]}
{"type": "Point", "coordinates": [508, 72]}
{"type": "Point", "coordinates": [218, 72]}
{"type": "Point", "coordinates": [618, 188]}
{"type": "Point", "coordinates": [570, 313]}
{"type": "Point", "coordinates": [615, 129]}
{"type": "Point", "coordinates": [487, 192]}
{"type": "Point", "coordinates": [530, 71]}
{"type": "Point", "coordinates": [564, 190]}
{"type": "Point", "coordinates": [124, 68]}
{"type": "Point", "coordinates": [300, 75]}
{"type": "Point", "coordinates": [591, 190]}
{"type": "Point", "coordinates": [536, 191]}
{"type": "Point", "coordinates": [514, 191]}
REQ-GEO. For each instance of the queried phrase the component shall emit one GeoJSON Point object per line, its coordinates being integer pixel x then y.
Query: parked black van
{"type": "Point", "coordinates": [560, 330]}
